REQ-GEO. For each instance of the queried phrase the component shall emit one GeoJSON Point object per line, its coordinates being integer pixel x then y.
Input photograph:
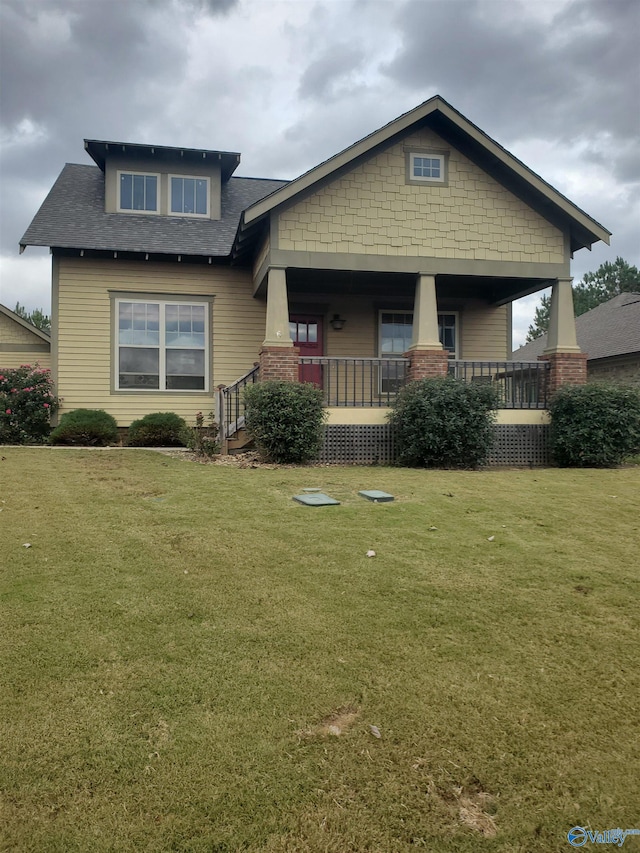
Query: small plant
{"type": "Point", "coordinates": [595, 425]}
{"type": "Point", "coordinates": [203, 440]}
{"type": "Point", "coordinates": [285, 420]}
{"type": "Point", "coordinates": [92, 427]}
{"type": "Point", "coordinates": [158, 429]}
{"type": "Point", "coordinates": [27, 402]}
{"type": "Point", "coordinates": [443, 423]}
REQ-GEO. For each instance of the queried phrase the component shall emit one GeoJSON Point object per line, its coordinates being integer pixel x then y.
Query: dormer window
{"type": "Point", "coordinates": [189, 196]}
{"type": "Point", "coordinates": [138, 192]}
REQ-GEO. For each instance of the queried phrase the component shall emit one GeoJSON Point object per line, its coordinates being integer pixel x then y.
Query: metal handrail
{"type": "Point", "coordinates": [230, 403]}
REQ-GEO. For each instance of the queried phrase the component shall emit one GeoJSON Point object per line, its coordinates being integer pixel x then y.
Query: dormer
{"type": "Point", "coordinates": [158, 180]}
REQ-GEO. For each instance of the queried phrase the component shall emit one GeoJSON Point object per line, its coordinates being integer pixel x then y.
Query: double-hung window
{"type": "Point", "coordinates": [396, 331]}
{"type": "Point", "coordinates": [161, 345]}
{"type": "Point", "coordinates": [189, 196]}
{"type": "Point", "coordinates": [138, 193]}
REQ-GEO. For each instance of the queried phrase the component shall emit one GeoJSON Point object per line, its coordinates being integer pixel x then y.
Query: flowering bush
{"type": "Point", "coordinates": [27, 402]}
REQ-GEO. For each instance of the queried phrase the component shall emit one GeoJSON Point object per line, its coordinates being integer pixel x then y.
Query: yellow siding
{"type": "Point", "coordinates": [483, 332]}
{"type": "Point", "coordinates": [373, 210]}
{"type": "Point", "coordinates": [21, 346]}
{"type": "Point", "coordinates": [85, 367]}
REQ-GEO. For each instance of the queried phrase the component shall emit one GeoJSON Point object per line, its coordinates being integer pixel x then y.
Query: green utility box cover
{"type": "Point", "coordinates": [376, 496]}
{"type": "Point", "coordinates": [317, 499]}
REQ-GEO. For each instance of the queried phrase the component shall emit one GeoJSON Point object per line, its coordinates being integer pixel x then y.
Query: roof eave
{"type": "Point", "coordinates": [584, 229]}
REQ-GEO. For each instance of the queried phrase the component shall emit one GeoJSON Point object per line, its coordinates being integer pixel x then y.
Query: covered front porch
{"type": "Point", "coordinates": [361, 337]}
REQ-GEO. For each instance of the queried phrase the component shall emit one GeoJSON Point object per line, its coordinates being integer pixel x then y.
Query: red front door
{"type": "Point", "coordinates": [307, 334]}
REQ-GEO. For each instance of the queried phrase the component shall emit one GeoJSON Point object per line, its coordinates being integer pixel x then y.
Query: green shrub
{"type": "Point", "coordinates": [158, 429]}
{"type": "Point", "coordinates": [595, 425]}
{"type": "Point", "coordinates": [203, 440]}
{"type": "Point", "coordinates": [285, 420]}
{"type": "Point", "coordinates": [27, 402]}
{"type": "Point", "coordinates": [443, 423]}
{"type": "Point", "coordinates": [93, 427]}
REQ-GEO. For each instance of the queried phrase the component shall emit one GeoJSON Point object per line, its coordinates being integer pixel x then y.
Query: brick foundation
{"type": "Point", "coordinates": [565, 368]}
{"type": "Point", "coordinates": [427, 363]}
{"type": "Point", "coordinates": [279, 363]}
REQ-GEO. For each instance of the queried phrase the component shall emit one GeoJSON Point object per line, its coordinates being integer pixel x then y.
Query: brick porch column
{"type": "Point", "coordinates": [568, 365]}
{"type": "Point", "coordinates": [278, 356]}
{"type": "Point", "coordinates": [426, 356]}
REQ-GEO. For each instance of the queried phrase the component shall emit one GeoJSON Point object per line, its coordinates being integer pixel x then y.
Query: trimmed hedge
{"type": "Point", "coordinates": [595, 425]}
{"type": "Point", "coordinates": [285, 420]}
{"type": "Point", "coordinates": [92, 427]}
{"type": "Point", "coordinates": [444, 423]}
{"type": "Point", "coordinates": [158, 429]}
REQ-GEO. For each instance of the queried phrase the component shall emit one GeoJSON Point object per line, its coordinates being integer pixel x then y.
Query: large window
{"type": "Point", "coordinates": [189, 196]}
{"type": "Point", "coordinates": [137, 192]}
{"type": "Point", "coordinates": [396, 329]}
{"type": "Point", "coordinates": [161, 346]}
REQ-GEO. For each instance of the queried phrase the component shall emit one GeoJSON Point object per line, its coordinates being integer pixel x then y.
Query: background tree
{"type": "Point", "coordinates": [609, 280]}
{"type": "Point", "coordinates": [37, 318]}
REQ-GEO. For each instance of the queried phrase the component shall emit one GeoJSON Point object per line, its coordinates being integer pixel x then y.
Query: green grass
{"type": "Point", "coordinates": [178, 638]}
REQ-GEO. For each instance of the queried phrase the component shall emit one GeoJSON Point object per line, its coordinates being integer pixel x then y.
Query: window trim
{"type": "Point", "coordinates": [162, 302]}
{"type": "Point", "coordinates": [434, 154]}
{"type": "Point", "coordinates": [171, 212]}
{"type": "Point", "coordinates": [381, 311]}
{"type": "Point", "coordinates": [121, 209]}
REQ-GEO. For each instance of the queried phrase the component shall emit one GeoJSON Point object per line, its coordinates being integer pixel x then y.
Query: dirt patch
{"type": "Point", "coordinates": [334, 724]}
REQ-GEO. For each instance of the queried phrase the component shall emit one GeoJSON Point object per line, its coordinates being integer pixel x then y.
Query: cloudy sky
{"type": "Point", "coordinates": [290, 82]}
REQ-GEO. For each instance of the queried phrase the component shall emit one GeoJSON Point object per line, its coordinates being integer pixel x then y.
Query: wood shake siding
{"type": "Point", "coordinates": [87, 339]}
{"type": "Point", "coordinates": [373, 210]}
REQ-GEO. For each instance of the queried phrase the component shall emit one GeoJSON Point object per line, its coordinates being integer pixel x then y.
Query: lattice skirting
{"type": "Point", "coordinates": [371, 444]}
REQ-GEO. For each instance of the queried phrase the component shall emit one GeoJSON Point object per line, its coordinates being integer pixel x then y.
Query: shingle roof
{"type": "Point", "coordinates": [72, 217]}
{"type": "Point", "coordinates": [609, 329]}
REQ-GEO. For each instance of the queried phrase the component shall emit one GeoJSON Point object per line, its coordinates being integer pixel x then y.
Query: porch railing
{"type": "Point", "coordinates": [520, 384]}
{"type": "Point", "coordinates": [230, 404]}
{"type": "Point", "coordinates": [374, 382]}
{"type": "Point", "coordinates": [365, 382]}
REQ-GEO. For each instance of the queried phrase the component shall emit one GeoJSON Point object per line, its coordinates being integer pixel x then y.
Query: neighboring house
{"type": "Point", "coordinates": [21, 342]}
{"type": "Point", "coordinates": [610, 336]}
{"type": "Point", "coordinates": [397, 258]}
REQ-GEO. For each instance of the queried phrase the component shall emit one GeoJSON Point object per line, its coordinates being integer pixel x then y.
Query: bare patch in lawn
{"type": "Point", "coordinates": [474, 806]}
{"type": "Point", "coordinates": [334, 724]}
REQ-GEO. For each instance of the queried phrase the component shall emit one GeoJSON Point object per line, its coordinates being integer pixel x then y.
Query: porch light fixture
{"type": "Point", "coordinates": [337, 323]}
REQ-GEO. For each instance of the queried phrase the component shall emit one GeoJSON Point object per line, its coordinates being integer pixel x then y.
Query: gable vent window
{"type": "Point", "coordinates": [138, 193]}
{"type": "Point", "coordinates": [190, 196]}
{"type": "Point", "coordinates": [426, 167]}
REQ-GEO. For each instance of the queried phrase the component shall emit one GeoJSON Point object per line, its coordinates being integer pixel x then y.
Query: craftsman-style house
{"type": "Point", "coordinates": [397, 258]}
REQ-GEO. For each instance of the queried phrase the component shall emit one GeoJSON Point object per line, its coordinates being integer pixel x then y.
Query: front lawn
{"type": "Point", "coordinates": [190, 661]}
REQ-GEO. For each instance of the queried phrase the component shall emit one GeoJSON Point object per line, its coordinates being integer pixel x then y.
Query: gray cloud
{"type": "Point", "coordinates": [572, 77]}
{"type": "Point", "coordinates": [331, 71]}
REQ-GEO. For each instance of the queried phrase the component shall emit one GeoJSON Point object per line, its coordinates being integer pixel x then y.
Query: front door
{"type": "Point", "coordinates": [307, 334]}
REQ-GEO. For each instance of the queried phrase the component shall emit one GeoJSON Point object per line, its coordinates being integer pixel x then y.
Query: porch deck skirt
{"type": "Point", "coordinates": [373, 444]}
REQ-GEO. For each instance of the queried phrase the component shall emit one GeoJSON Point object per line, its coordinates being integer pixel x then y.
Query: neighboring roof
{"type": "Point", "coordinates": [440, 116]}
{"type": "Point", "coordinates": [25, 323]}
{"type": "Point", "coordinates": [609, 329]}
{"type": "Point", "coordinates": [99, 150]}
{"type": "Point", "coordinates": [72, 217]}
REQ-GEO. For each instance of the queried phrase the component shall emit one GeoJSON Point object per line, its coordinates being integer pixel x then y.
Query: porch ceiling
{"type": "Point", "coordinates": [401, 286]}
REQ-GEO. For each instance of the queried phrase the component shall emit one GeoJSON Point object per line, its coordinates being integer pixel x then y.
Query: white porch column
{"type": "Point", "coordinates": [562, 321]}
{"type": "Point", "coordinates": [277, 324]}
{"type": "Point", "coordinates": [425, 315]}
